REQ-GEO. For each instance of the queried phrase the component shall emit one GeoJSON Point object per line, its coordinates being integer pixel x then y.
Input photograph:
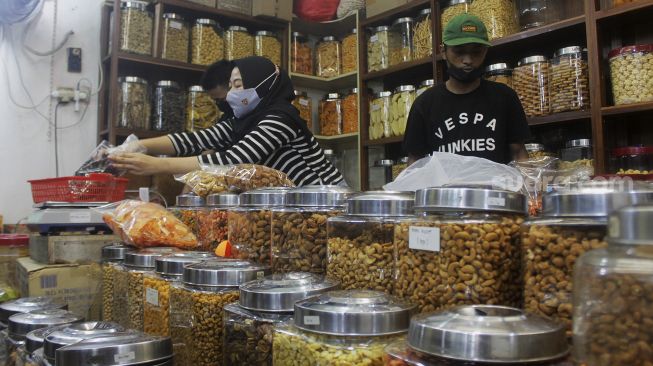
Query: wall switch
{"type": "Point", "coordinates": [74, 59]}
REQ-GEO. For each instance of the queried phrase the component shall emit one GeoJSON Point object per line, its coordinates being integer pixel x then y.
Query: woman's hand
{"type": "Point", "coordinates": [138, 164]}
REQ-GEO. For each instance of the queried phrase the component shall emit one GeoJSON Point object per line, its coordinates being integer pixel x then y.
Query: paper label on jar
{"type": "Point", "coordinates": [496, 201]}
{"type": "Point", "coordinates": [374, 38]}
{"type": "Point", "coordinates": [152, 296]}
{"type": "Point", "coordinates": [311, 320]}
{"type": "Point", "coordinates": [304, 102]}
{"type": "Point", "coordinates": [124, 357]}
{"type": "Point", "coordinates": [175, 25]}
{"type": "Point", "coordinates": [424, 238]}
{"type": "Point", "coordinates": [80, 217]}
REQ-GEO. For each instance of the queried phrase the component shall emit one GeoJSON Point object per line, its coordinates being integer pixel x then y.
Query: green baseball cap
{"type": "Point", "coordinates": [465, 29]}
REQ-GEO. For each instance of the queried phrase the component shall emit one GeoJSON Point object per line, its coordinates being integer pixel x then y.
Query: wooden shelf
{"type": "Point", "coordinates": [623, 9]}
{"type": "Point", "coordinates": [343, 136]}
{"type": "Point", "coordinates": [232, 17]}
{"type": "Point", "coordinates": [337, 28]}
{"type": "Point", "coordinates": [120, 131]}
{"type": "Point", "coordinates": [344, 81]}
{"type": "Point", "coordinates": [626, 109]}
{"type": "Point", "coordinates": [384, 141]}
{"type": "Point", "coordinates": [553, 27]}
{"type": "Point", "coordinates": [158, 62]}
{"type": "Point", "coordinates": [397, 68]}
{"type": "Point", "coordinates": [559, 117]}
{"type": "Point", "coordinates": [392, 14]}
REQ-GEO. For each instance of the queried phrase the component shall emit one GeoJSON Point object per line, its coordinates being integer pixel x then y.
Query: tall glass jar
{"type": "Point", "coordinates": [612, 296]}
{"type": "Point", "coordinates": [499, 73]}
{"type": "Point", "coordinates": [350, 112]}
{"type": "Point", "coordinates": [238, 43]}
{"type": "Point", "coordinates": [536, 13]}
{"type": "Point", "coordinates": [190, 209]}
{"type": "Point", "coordinates": [378, 50]}
{"type": "Point", "coordinates": [304, 105]}
{"type": "Point", "coordinates": [350, 52]}
{"type": "Point", "coordinates": [531, 82]}
{"type": "Point", "coordinates": [112, 256]}
{"type": "Point", "coordinates": [133, 103]}
{"type": "Point", "coordinates": [301, 54]}
{"type": "Point", "coordinates": [328, 57]}
{"type": "Point", "coordinates": [380, 115]}
{"type": "Point", "coordinates": [201, 110]}
{"type": "Point", "coordinates": [64, 335]}
{"type": "Point", "coordinates": [402, 101]}
{"type": "Point", "coordinates": [423, 35]}
{"type": "Point", "coordinates": [299, 230]}
{"type": "Point", "coordinates": [569, 80]}
{"type": "Point", "coordinates": [360, 244]}
{"type": "Point", "coordinates": [400, 41]}
{"type": "Point", "coordinates": [207, 42]}
{"type": "Point", "coordinates": [175, 38]}
{"type": "Point", "coordinates": [451, 9]}
{"type": "Point", "coordinates": [424, 86]}
{"type": "Point", "coordinates": [135, 27]}
{"type": "Point", "coordinates": [440, 249]}
{"type": "Point", "coordinates": [630, 75]}
{"type": "Point", "coordinates": [267, 44]}
{"type": "Point", "coordinates": [214, 225]}
{"type": "Point", "coordinates": [330, 113]}
{"type": "Point", "coordinates": [577, 154]}
{"type": "Point", "coordinates": [169, 106]}
{"type": "Point", "coordinates": [499, 16]}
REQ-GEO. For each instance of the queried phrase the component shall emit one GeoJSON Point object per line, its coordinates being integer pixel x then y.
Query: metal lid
{"type": "Point", "coordinates": [403, 20]}
{"type": "Point", "coordinates": [381, 203]}
{"type": "Point", "coordinates": [205, 21]}
{"type": "Point", "coordinates": [579, 143]}
{"type": "Point", "coordinates": [353, 313]}
{"type": "Point", "coordinates": [27, 304]}
{"type": "Point", "coordinates": [383, 94]}
{"type": "Point", "coordinates": [318, 196]}
{"type": "Point", "coordinates": [381, 28]}
{"type": "Point", "coordinates": [168, 83]}
{"type": "Point", "coordinates": [469, 199]}
{"type": "Point", "coordinates": [21, 324]}
{"type": "Point", "coordinates": [172, 16]}
{"type": "Point", "coordinates": [195, 88]}
{"type": "Point", "coordinates": [190, 200]}
{"type": "Point", "coordinates": [424, 11]}
{"type": "Point", "coordinates": [403, 88]}
{"type": "Point", "coordinates": [486, 333]}
{"type": "Point", "coordinates": [332, 96]}
{"type": "Point", "coordinates": [384, 163]}
{"type": "Point", "coordinates": [73, 333]}
{"type": "Point", "coordinates": [140, 5]}
{"type": "Point", "coordinates": [641, 48]}
{"type": "Point", "coordinates": [501, 66]}
{"type": "Point", "coordinates": [223, 273]}
{"type": "Point", "coordinates": [145, 258]}
{"type": "Point", "coordinates": [631, 226]}
{"type": "Point", "coordinates": [265, 197]}
{"type": "Point", "coordinates": [115, 252]}
{"type": "Point", "coordinates": [532, 60]}
{"type": "Point", "coordinates": [237, 28]}
{"type": "Point", "coordinates": [266, 33]}
{"type": "Point", "coordinates": [34, 339]}
{"type": "Point", "coordinates": [568, 51]}
{"type": "Point", "coordinates": [222, 200]}
{"type": "Point", "coordinates": [279, 292]}
{"type": "Point", "coordinates": [173, 264]}
{"type": "Point", "coordinates": [328, 39]}
{"type": "Point", "coordinates": [456, 2]}
{"type": "Point", "coordinates": [427, 82]}
{"type": "Point", "coordinates": [123, 348]}
{"type": "Point", "coordinates": [534, 147]}
{"type": "Point", "coordinates": [299, 93]}
{"type": "Point", "coordinates": [131, 79]}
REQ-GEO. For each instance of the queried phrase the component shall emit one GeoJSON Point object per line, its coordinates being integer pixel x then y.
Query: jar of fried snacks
{"type": "Point", "coordinates": [135, 27]}
{"type": "Point", "coordinates": [531, 82]}
{"type": "Point", "coordinates": [402, 101]}
{"type": "Point", "coordinates": [631, 74]}
{"type": "Point", "coordinates": [266, 44]}
{"type": "Point", "coordinates": [201, 110]}
{"type": "Point", "coordinates": [400, 41]}
{"type": "Point", "coordinates": [350, 112]}
{"type": "Point", "coordinates": [570, 89]}
{"type": "Point", "coordinates": [169, 107]}
{"type": "Point", "coordinates": [301, 54]}
{"type": "Point", "coordinates": [331, 115]}
{"type": "Point", "coordinates": [378, 51]}
{"type": "Point", "coordinates": [207, 42]}
{"type": "Point", "coordinates": [189, 210]}
{"type": "Point", "coordinates": [238, 43]}
{"type": "Point", "coordinates": [133, 103]}
{"type": "Point", "coordinates": [304, 105]}
{"type": "Point", "coordinates": [380, 115]}
{"type": "Point", "coordinates": [328, 57]}
{"type": "Point", "coordinates": [451, 9]}
{"type": "Point", "coordinates": [499, 73]}
{"type": "Point", "coordinates": [423, 35]}
{"type": "Point", "coordinates": [112, 257]}
{"type": "Point", "coordinates": [175, 38]}
{"type": "Point", "coordinates": [214, 225]}
{"type": "Point", "coordinates": [577, 154]}
{"type": "Point", "coordinates": [499, 16]}
{"type": "Point", "coordinates": [350, 52]}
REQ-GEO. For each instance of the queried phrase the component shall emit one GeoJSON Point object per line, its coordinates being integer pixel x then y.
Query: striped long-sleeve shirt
{"type": "Point", "coordinates": [272, 143]}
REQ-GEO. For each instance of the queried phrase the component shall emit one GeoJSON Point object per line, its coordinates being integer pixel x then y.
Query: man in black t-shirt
{"type": "Point", "coordinates": [467, 115]}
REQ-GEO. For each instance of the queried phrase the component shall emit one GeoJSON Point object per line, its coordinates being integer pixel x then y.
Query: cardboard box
{"type": "Point", "coordinates": [281, 9]}
{"type": "Point", "coordinates": [77, 285]}
{"type": "Point", "coordinates": [376, 7]}
{"type": "Point", "coordinates": [68, 248]}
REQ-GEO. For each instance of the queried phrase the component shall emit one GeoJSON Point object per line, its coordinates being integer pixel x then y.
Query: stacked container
{"type": "Point", "coordinates": [169, 106]}
{"type": "Point", "coordinates": [301, 54]}
{"type": "Point", "coordinates": [330, 112]}
{"type": "Point", "coordinates": [499, 73]}
{"type": "Point", "coordinates": [112, 257]}
{"type": "Point", "coordinates": [214, 223]}
{"type": "Point", "coordinates": [207, 42]}
{"type": "Point", "coordinates": [531, 82]}
{"type": "Point", "coordinates": [378, 49]}
{"type": "Point", "coordinates": [569, 80]}
{"type": "Point", "coordinates": [133, 103]}
{"type": "Point", "coordinates": [400, 41]}
{"type": "Point", "coordinates": [238, 43]}
{"type": "Point", "coordinates": [175, 38]}
{"type": "Point", "coordinates": [190, 209]}
{"type": "Point", "coordinates": [136, 27]}
{"type": "Point", "coordinates": [58, 337]}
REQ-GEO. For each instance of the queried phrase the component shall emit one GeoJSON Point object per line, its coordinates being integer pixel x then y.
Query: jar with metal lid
{"type": "Point", "coordinates": [459, 337]}
{"type": "Point", "coordinates": [197, 307]}
{"type": "Point", "coordinates": [301, 54]}
{"type": "Point", "coordinates": [34, 339]}
{"type": "Point", "coordinates": [299, 230]}
{"type": "Point", "coordinates": [214, 225]}
{"type": "Point", "coordinates": [249, 324]}
{"type": "Point", "coordinates": [569, 80]}
{"type": "Point", "coordinates": [400, 40]}
{"type": "Point", "coordinates": [399, 166]}
{"type": "Point", "coordinates": [250, 233]}
{"type": "Point", "coordinates": [169, 106]}
{"type": "Point", "coordinates": [380, 115]}
{"type": "Point", "coordinates": [361, 253]}
{"type": "Point", "coordinates": [574, 221]}
{"type": "Point", "coordinates": [424, 86]}
{"type": "Point", "coordinates": [422, 35]}
{"type": "Point", "coordinates": [453, 8]}
{"type": "Point", "coordinates": [207, 42]}
{"type": "Point", "coordinates": [175, 38]}
{"type": "Point", "coordinates": [201, 110]}
{"type": "Point", "coordinates": [402, 101]}
{"type": "Point", "coordinates": [112, 256]}
{"type": "Point", "coordinates": [135, 27]}
{"type": "Point", "coordinates": [238, 43]}
{"type": "Point", "coordinates": [631, 74]}
{"type": "Point", "coordinates": [537, 151]}
{"type": "Point", "coordinates": [461, 248]}
{"type": "Point", "coordinates": [350, 112]}
{"type": "Point", "coordinates": [378, 49]}
{"type": "Point", "coordinates": [190, 208]}
{"type": "Point", "coordinates": [267, 44]}
{"type": "Point", "coordinates": [577, 154]}
{"type": "Point", "coordinates": [304, 105]}
{"type": "Point", "coordinates": [499, 17]}
{"type": "Point", "coordinates": [330, 112]}
{"type": "Point", "coordinates": [536, 13]}
{"type": "Point", "coordinates": [328, 57]}
{"type": "Point", "coordinates": [612, 294]}
{"type": "Point", "coordinates": [349, 327]}
{"type": "Point", "coordinates": [133, 103]}
{"type": "Point", "coordinates": [633, 160]}
{"type": "Point", "coordinates": [12, 247]}
{"type": "Point", "coordinates": [65, 335]}
{"type": "Point", "coordinates": [350, 52]}
{"type": "Point", "coordinates": [386, 166]}
{"type": "Point", "coordinates": [531, 82]}
{"type": "Point", "coordinates": [499, 73]}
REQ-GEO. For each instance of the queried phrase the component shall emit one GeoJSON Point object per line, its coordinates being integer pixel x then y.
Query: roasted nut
{"type": "Point", "coordinates": [498, 15]}
{"type": "Point", "coordinates": [250, 234]}
{"type": "Point", "coordinates": [349, 53]}
{"type": "Point", "coordinates": [135, 31]}
{"type": "Point", "coordinates": [175, 40]}
{"type": "Point", "coordinates": [213, 228]}
{"type": "Point", "coordinates": [189, 216]}
{"type": "Point", "coordinates": [207, 43]}
{"type": "Point", "coordinates": [531, 82]}
{"type": "Point", "coordinates": [108, 278]}
{"type": "Point", "coordinates": [569, 84]}
{"type": "Point", "coordinates": [238, 44]}
{"type": "Point", "coordinates": [378, 52]}
{"type": "Point", "coordinates": [269, 47]}
{"type": "Point", "coordinates": [631, 74]}
{"type": "Point", "coordinates": [570, 165]}
{"type": "Point", "coordinates": [156, 304]}
{"type": "Point", "coordinates": [120, 292]}
{"type": "Point", "coordinates": [135, 300]}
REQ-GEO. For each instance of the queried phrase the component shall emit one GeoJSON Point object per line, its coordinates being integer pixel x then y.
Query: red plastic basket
{"type": "Point", "coordinates": [96, 187]}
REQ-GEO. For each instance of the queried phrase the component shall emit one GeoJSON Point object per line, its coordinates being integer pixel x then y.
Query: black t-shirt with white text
{"type": "Point", "coordinates": [482, 123]}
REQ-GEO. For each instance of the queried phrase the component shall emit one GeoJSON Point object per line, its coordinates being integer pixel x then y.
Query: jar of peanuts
{"type": "Point", "coordinates": [350, 112]}
{"type": "Point", "coordinates": [331, 115]}
{"type": "Point", "coordinates": [301, 54]}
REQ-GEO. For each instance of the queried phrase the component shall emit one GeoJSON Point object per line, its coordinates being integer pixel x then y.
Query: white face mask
{"type": "Point", "coordinates": [244, 101]}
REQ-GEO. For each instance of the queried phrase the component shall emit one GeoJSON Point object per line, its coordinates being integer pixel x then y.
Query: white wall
{"type": "Point", "coordinates": [26, 139]}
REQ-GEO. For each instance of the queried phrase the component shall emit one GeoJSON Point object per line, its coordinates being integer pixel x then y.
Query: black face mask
{"type": "Point", "coordinates": [462, 75]}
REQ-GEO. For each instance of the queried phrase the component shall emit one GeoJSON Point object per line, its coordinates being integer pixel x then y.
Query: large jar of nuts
{"type": "Point", "coordinates": [201, 110]}
{"type": "Point", "coordinates": [631, 74]}
{"type": "Point", "coordinates": [570, 89]}
{"type": "Point", "coordinates": [330, 112]}
{"type": "Point", "coordinates": [499, 17]}
{"type": "Point", "coordinates": [267, 44]}
{"type": "Point", "coordinates": [304, 105]}
{"type": "Point", "coordinates": [531, 82]}
{"type": "Point", "coordinates": [197, 308]}
{"type": "Point", "coordinates": [249, 224]}
{"type": "Point", "coordinates": [214, 225]}
{"type": "Point", "coordinates": [613, 293]}
{"type": "Point", "coordinates": [378, 51]}
{"type": "Point", "coordinates": [451, 9]}
{"type": "Point", "coordinates": [380, 112]}
{"type": "Point", "coordinates": [190, 208]}
{"type": "Point", "coordinates": [349, 327]}
{"type": "Point", "coordinates": [168, 108]}
{"type": "Point", "coordinates": [133, 103]}
{"type": "Point", "coordinates": [350, 52]}
{"type": "Point", "coordinates": [135, 27]}
{"type": "Point", "coordinates": [238, 43]}
{"type": "Point", "coordinates": [112, 256]}
{"type": "Point", "coordinates": [458, 337]}
{"type": "Point", "coordinates": [350, 112]}
{"type": "Point", "coordinates": [499, 73]}
{"type": "Point", "coordinates": [402, 101]}
{"type": "Point", "coordinates": [537, 151]}
{"type": "Point", "coordinates": [64, 335]}
{"type": "Point", "coordinates": [175, 38]}
{"type": "Point", "coordinates": [422, 35]}
{"type": "Point", "coordinates": [299, 230]}
{"type": "Point", "coordinates": [573, 222]}
{"type": "Point", "coordinates": [301, 54]}
{"type": "Point", "coordinates": [400, 41]}
{"type": "Point", "coordinates": [633, 160]}
{"type": "Point", "coordinates": [461, 248]}
{"type": "Point", "coordinates": [577, 154]}
{"type": "Point", "coordinates": [249, 324]}
{"type": "Point", "coordinates": [207, 42]}
{"type": "Point", "coordinates": [328, 57]}
{"type": "Point", "coordinates": [360, 245]}
{"type": "Point", "coordinates": [423, 86]}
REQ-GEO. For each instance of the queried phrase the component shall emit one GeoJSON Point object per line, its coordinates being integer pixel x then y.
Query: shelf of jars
{"type": "Point", "coordinates": [572, 116]}
{"type": "Point", "coordinates": [383, 141]}
{"type": "Point", "coordinates": [345, 137]}
{"type": "Point", "coordinates": [343, 81]}
{"type": "Point", "coordinates": [126, 57]}
{"type": "Point", "coordinates": [618, 110]}
{"type": "Point", "coordinates": [401, 67]}
{"type": "Point", "coordinates": [227, 15]}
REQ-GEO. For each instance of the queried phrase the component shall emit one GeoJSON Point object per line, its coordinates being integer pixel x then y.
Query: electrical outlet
{"type": "Point", "coordinates": [74, 60]}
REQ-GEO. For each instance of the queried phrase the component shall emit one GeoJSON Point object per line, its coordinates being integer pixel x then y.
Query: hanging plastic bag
{"type": "Point", "coordinates": [98, 161]}
{"type": "Point", "coordinates": [348, 7]}
{"type": "Point", "coordinates": [316, 10]}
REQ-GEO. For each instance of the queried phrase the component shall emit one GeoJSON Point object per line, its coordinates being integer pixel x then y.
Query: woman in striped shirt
{"type": "Point", "coordinates": [264, 129]}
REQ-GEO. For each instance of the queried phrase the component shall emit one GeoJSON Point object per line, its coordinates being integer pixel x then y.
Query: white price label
{"type": "Point", "coordinates": [80, 217]}
{"type": "Point", "coordinates": [175, 25]}
{"type": "Point", "coordinates": [376, 107]}
{"type": "Point", "coordinates": [496, 201]}
{"type": "Point", "coordinates": [374, 38]}
{"type": "Point", "coordinates": [311, 320]}
{"type": "Point", "coordinates": [424, 238]}
{"type": "Point", "coordinates": [304, 102]}
{"type": "Point", "coordinates": [152, 296]}
{"type": "Point", "coordinates": [124, 357]}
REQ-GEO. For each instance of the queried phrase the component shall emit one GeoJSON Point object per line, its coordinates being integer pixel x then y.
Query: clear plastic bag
{"type": "Point", "coordinates": [233, 178]}
{"type": "Point", "coordinates": [98, 161]}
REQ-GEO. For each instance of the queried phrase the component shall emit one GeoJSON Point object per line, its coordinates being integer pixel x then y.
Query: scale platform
{"type": "Point", "coordinates": [51, 218]}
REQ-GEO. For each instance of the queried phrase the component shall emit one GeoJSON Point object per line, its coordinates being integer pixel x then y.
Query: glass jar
{"type": "Point", "coordinates": [577, 154]}
{"type": "Point", "coordinates": [612, 295]}
{"type": "Point", "coordinates": [330, 112]}
{"type": "Point", "coordinates": [402, 100]}
{"type": "Point", "coordinates": [384, 165]}
{"type": "Point", "coordinates": [536, 13]}
{"type": "Point", "coordinates": [214, 224]}
{"type": "Point", "coordinates": [631, 74]}
{"type": "Point", "coordinates": [531, 82]}
{"type": "Point", "coordinates": [12, 247]}
{"type": "Point", "coordinates": [380, 115]}
{"type": "Point", "coordinates": [169, 106]}
{"type": "Point", "coordinates": [537, 151]}
{"type": "Point", "coordinates": [65, 335]}
{"type": "Point", "coordinates": [238, 43]}
{"type": "Point", "coordinates": [207, 42]}
{"type": "Point", "coordinates": [477, 325]}
{"type": "Point", "coordinates": [499, 17]}
{"type": "Point", "coordinates": [569, 80]}
{"type": "Point", "coordinates": [197, 308]}
{"type": "Point", "coordinates": [250, 231]}
{"type": "Point", "coordinates": [249, 324]}
{"type": "Point", "coordinates": [633, 160]}
{"type": "Point", "coordinates": [175, 38]}
{"type": "Point", "coordinates": [399, 166]}
{"type": "Point", "coordinates": [112, 256]}
{"type": "Point", "coordinates": [423, 86]}
{"type": "Point", "coordinates": [135, 27]}
{"type": "Point", "coordinates": [452, 9]}
{"type": "Point", "coordinates": [360, 244]}
{"type": "Point", "coordinates": [350, 52]}
{"type": "Point", "coordinates": [201, 110]}
{"type": "Point", "coordinates": [328, 57]}
{"type": "Point", "coordinates": [499, 73]}
{"type": "Point", "coordinates": [321, 335]}
{"type": "Point", "coordinates": [400, 41]}
{"type": "Point", "coordinates": [378, 50]}
{"type": "Point", "coordinates": [190, 209]}
{"type": "Point", "coordinates": [304, 105]}
{"type": "Point", "coordinates": [301, 55]}
{"type": "Point", "coordinates": [350, 112]}
{"type": "Point", "coordinates": [439, 250]}
{"type": "Point", "coordinates": [133, 103]}
{"type": "Point", "coordinates": [267, 44]}
{"type": "Point", "coordinates": [299, 230]}
{"type": "Point", "coordinates": [422, 35]}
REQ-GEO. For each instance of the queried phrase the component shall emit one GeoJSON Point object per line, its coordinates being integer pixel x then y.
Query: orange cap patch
{"type": "Point", "coordinates": [469, 28]}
